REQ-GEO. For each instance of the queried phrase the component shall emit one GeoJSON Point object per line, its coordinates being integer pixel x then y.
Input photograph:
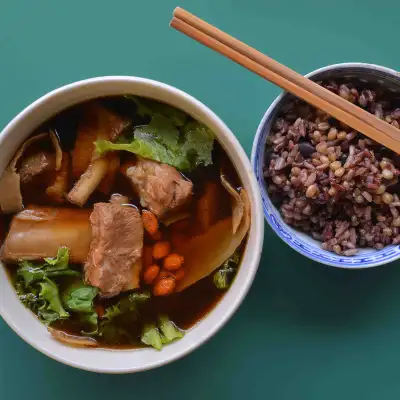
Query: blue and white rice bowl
{"type": "Point", "coordinates": [299, 241]}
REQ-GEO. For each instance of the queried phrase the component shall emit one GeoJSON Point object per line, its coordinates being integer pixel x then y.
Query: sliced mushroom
{"type": "Point", "coordinates": [10, 192]}
{"type": "Point", "coordinates": [36, 164]}
{"type": "Point", "coordinates": [10, 182]}
{"type": "Point", "coordinates": [59, 154]}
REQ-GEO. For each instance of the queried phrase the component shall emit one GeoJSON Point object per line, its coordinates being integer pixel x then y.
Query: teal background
{"type": "Point", "coordinates": [305, 331]}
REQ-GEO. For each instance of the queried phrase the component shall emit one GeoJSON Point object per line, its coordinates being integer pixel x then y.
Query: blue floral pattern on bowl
{"type": "Point", "coordinates": [299, 241]}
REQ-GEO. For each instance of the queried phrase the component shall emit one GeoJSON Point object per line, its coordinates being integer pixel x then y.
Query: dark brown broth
{"type": "Point", "coordinates": [185, 308]}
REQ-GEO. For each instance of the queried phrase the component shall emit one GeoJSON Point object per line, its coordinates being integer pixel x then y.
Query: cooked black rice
{"type": "Point", "coordinates": [331, 181]}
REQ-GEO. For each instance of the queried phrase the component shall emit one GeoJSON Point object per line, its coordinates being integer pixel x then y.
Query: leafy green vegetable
{"type": "Point", "coordinates": [36, 304]}
{"type": "Point", "coordinates": [159, 127]}
{"type": "Point", "coordinates": [112, 312]}
{"type": "Point", "coordinates": [169, 331]}
{"type": "Point", "coordinates": [38, 291]}
{"type": "Point", "coordinates": [60, 262]}
{"type": "Point", "coordinates": [120, 322]}
{"type": "Point", "coordinates": [90, 319]}
{"type": "Point", "coordinates": [126, 304]}
{"type": "Point", "coordinates": [114, 334]}
{"type": "Point", "coordinates": [31, 299]}
{"type": "Point", "coordinates": [161, 140]}
{"type": "Point", "coordinates": [48, 316]}
{"type": "Point", "coordinates": [43, 299]}
{"type": "Point", "coordinates": [151, 336]}
{"type": "Point", "coordinates": [164, 333]}
{"type": "Point", "coordinates": [151, 108]}
{"type": "Point", "coordinates": [128, 307]}
{"type": "Point", "coordinates": [51, 268]}
{"type": "Point", "coordinates": [30, 272]}
{"type": "Point", "coordinates": [79, 297]}
{"type": "Point", "coordinates": [197, 144]}
{"type": "Point", "coordinates": [49, 293]}
{"type": "Point", "coordinates": [223, 277]}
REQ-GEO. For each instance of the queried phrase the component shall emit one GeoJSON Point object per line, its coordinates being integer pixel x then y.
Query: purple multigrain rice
{"type": "Point", "coordinates": [331, 181]}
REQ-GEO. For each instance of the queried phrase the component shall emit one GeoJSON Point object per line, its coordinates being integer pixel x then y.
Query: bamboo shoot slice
{"type": "Point", "coordinates": [205, 253]}
{"type": "Point", "coordinates": [237, 204]}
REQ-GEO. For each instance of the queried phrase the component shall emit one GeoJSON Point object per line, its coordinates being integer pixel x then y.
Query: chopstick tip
{"type": "Point", "coordinates": [172, 22]}
{"type": "Point", "coordinates": [176, 10]}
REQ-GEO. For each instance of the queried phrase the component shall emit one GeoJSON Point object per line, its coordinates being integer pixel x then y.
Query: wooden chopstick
{"type": "Point", "coordinates": [385, 134]}
{"type": "Point", "coordinates": [283, 71]}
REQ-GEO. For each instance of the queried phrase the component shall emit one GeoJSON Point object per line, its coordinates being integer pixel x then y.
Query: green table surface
{"type": "Point", "coordinates": [305, 331]}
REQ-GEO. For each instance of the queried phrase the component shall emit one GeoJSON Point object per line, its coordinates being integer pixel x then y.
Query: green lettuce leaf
{"type": "Point", "coordinates": [161, 141]}
{"type": "Point", "coordinates": [165, 332]}
{"type": "Point", "coordinates": [38, 292]}
{"type": "Point", "coordinates": [111, 313]}
{"type": "Point", "coordinates": [52, 267]}
{"type": "Point", "coordinates": [169, 331]}
{"type": "Point", "coordinates": [128, 307]}
{"type": "Point", "coordinates": [151, 108]}
{"type": "Point", "coordinates": [115, 334]}
{"type": "Point", "coordinates": [128, 304]}
{"type": "Point", "coordinates": [30, 298]}
{"type": "Point", "coordinates": [48, 316]}
{"type": "Point", "coordinates": [151, 336]}
{"type": "Point", "coordinates": [91, 320]}
{"type": "Point", "coordinates": [60, 262]}
{"type": "Point", "coordinates": [225, 274]}
{"type": "Point", "coordinates": [197, 144]}
{"type": "Point", "coordinates": [30, 272]}
{"type": "Point", "coordinates": [36, 304]}
{"type": "Point", "coordinates": [50, 294]}
{"type": "Point", "coordinates": [79, 297]}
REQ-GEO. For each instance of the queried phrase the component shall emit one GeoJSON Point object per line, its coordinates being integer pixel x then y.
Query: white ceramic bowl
{"type": "Point", "coordinates": [24, 323]}
{"type": "Point", "coordinates": [299, 241]}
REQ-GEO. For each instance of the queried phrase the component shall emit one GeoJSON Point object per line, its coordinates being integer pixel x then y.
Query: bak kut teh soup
{"type": "Point", "coordinates": [124, 223]}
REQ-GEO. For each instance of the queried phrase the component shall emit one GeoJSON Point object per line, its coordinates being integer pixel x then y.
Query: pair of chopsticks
{"type": "Point", "coordinates": [287, 79]}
